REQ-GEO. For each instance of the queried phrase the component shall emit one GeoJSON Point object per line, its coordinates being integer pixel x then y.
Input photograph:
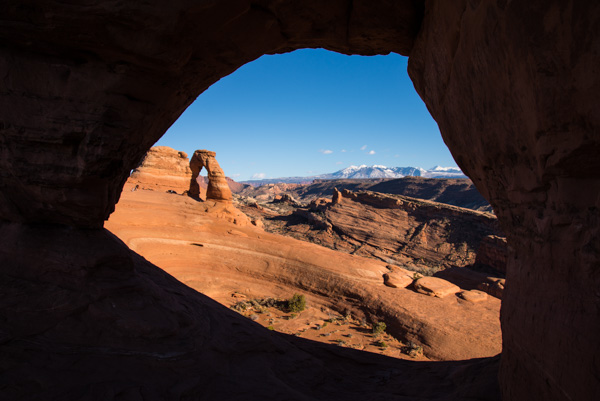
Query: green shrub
{"type": "Point", "coordinates": [297, 303]}
{"type": "Point", "coordinates": [379, 328]}
{"type": "Point", "coordinates": [270, 328]}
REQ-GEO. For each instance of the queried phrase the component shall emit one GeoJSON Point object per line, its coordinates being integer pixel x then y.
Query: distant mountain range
{"type": "Point", "coordinates": [364, 172]}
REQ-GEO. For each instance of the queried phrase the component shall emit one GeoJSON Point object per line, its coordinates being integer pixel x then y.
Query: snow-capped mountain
{"type": "Point", "coordinates": [375, 171]}
{"type": "Point", "coordinates": [444, 172]}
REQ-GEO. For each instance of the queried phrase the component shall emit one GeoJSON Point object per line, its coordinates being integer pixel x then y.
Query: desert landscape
{"type": "Point", "coordinates": [107, 284]}
{"type": "Point", "coordinates": [215, 248]}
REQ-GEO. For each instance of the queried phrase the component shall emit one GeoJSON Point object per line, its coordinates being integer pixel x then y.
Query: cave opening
{"type": "Point", "coordinates": [303, 113]}
{"type": "Point", "coordinates": [89, 89]}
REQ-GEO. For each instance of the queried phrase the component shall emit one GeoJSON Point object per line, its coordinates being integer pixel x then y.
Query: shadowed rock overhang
{"type": "Point", "coordinates": [88, 88]}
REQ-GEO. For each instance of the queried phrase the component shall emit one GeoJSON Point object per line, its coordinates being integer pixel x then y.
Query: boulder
{"type": "Point", "coordinates": [493, 286]}
{"type": "Point", "coordinates": [435, 287]}
{"type": "Point", "coordinates": [473, 296]}
{"type": "Point", "coordinates": [397, 279]}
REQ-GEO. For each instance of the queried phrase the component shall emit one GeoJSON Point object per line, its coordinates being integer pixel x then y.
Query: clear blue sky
{"type": "Point", "coordinates": [311, 112]}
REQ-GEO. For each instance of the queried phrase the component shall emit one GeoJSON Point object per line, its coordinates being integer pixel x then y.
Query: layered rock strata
{"type": "Point", "coordinates": [425, 235]}
{"type": "Point", "coordinates": [163, 169]}
{"type": "Point", "coordinates": [217, 189]}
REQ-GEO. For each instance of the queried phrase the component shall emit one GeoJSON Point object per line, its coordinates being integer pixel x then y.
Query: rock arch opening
{"type": "Point", "coordinates": [403, 236]}
{"type": "Point", "coordinates": [513, 87]}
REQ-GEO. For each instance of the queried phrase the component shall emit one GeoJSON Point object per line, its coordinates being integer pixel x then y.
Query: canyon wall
{"type": "Point", "coordinates": [420, 235]}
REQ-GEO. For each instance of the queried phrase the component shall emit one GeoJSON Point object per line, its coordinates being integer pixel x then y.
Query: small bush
{"type": "Point", "coordinates": [379, 328]}
{"type": "Point", "coordinates": [270, 328]}
{"type": "Point", "coordinates": [297, 303]}
{"type": "Point", "coordinates": [382, 344]}
{"type": "Point", "coordinates": [413, 349]}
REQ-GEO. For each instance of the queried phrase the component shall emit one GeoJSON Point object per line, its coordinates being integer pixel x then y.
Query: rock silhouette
{"type": "Point", "coordinates": [87, 90]}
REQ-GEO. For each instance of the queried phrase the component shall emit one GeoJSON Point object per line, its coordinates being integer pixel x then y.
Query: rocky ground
{"type": "Point", "coordinates": [215, 249]}
{"type": "Point", "coordinates": [451, 191]}
{"type": "Point", "coordinates": [419, 235]}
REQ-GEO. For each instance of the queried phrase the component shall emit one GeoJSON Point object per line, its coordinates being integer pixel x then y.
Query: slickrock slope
{"type": "Point", "coordinates": [163, 169]}
{"type": "Point", "coordinates": [88, 87]}
{"type": "Point", "coordinates": [104, 323]}
{"type": "Point", "coordinates": [217, 189]}
{"type": "Point", "coordinates": [218, 258]}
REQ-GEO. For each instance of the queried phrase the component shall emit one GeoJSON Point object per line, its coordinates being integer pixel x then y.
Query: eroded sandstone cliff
{"type": "Point", "coordinates": [163, 169]}
{"type": "Point", "coordinates": [421, 235]}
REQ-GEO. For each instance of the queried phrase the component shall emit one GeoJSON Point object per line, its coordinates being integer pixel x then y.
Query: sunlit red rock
{"type": "Point", "coordinates": [163, 169]}
{"type": "Point", "coordinates": [217, 189]}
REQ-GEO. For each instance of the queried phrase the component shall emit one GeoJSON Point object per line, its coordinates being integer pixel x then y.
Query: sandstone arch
{"type": "Point", "coordinates": [217, 189]}
{"type": "Point", "coordinates": [512, 85]}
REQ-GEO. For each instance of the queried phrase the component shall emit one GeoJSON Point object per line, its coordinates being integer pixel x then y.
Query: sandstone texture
{"type": "Point", "coordinates": [268, 192]}
{"type": "Point", "coordinates": [492, 252]}
{"type": "Point", "coordinates": [435, 287]}
{"type": "Point", "coordinates": [493, 286]}
{"type": "Point", "coordinates": [218, 188]}
{"type": "Point", "coordinates": [204, 249]}
{"type": "Point", "coordinates": [234, 186]}
{"type": "Point", "coordinates": [417, 234]}
{"type": "Point", "coordinates": [163, 169]}
{"type": "Point", "coordinates": [398, 279]}
{"type": "Point", "coordinates": [514, 91]}
{"type": "Point", "coordinates": [451, 191]}
{"type": "Point", "coordinates": [474, 296]}
{"type": "Point", "coordinates": [89, 87]}
{"type": "Point", "coordinates": [118, 327]}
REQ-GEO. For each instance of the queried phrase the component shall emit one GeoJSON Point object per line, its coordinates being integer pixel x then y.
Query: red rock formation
{"type": "Point", "coordinates": [512, 89]}
{"type": "Point", "coordinates": [492, 252]}
{"type": "Point", "coordinates": [337, 196]}
{"type": "Point", "coordinates": [452, 191]}
{"type": "Point", "coordinates": [163, 169]}
{"type": "Point", "coordinates": [435, 287]}
{"type": "Point", "coordinates": [218, 189]}
{"type": "Point", "coordinates": [424, 235]}
{"type": "Point", "coordinates": [167, 230]}
{"type": "Point", "coordinates": [87, 90]}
